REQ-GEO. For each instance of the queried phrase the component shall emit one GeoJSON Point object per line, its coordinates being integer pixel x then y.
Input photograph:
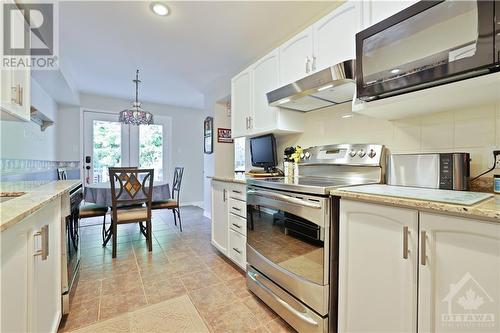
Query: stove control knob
{"type": "Point", "coordinates": [302, 156]}
{"type": "Point", "coordinates": [372, 153]}
{"type": "Point", "coordinates": [361, 153]}
{"type": "Point", "coordinates": [308, 154]}
{"type": "Point", "coordinates": [352, 153]}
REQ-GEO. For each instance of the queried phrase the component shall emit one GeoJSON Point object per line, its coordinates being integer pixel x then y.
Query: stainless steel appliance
{"type": "Point", "coordinates": [427, 44]}
{"type": "Point", "coordinates": [292, 244]}
{"type": "Point", "coordinates": [330, 86]}
{"type": "Point", "coordinates": [71, 247]}
{"type": "Point", "coordinates": [447, 171]}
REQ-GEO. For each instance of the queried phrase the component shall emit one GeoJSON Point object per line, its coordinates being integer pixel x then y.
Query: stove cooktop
{"type": "Point", "coordinates": [308, 185]}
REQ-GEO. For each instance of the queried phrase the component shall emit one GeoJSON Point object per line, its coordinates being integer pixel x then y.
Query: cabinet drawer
{"type": "Point", "coordinates": [238, 223]}
{"type": "Point", "coordinates": [238, 192]}
{"type": "Point", "coordinates": [237, 207]}
{"type": "Point", "coordinates": [237, 248]}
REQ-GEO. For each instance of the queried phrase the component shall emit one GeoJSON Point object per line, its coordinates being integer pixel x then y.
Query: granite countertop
{"type": "Point", "coordinates": [235, 179]}
{"type": "Point", "coordinates": [488, 209]}
{"type": "Point", "coordinates": [30, 196]}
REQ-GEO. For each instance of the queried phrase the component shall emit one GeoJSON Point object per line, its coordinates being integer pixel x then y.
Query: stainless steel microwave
{"type": "Point", "coordinates": [427, 44]}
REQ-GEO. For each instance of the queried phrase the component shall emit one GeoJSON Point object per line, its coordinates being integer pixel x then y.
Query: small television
{"type": "Point", "coordinates": [263, 152]}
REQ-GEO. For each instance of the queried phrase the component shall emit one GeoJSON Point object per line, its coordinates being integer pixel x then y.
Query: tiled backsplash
{"type": "Point", "coordinates": [22, 169]}
{"type": "Point", "coordinates": [476, 131]}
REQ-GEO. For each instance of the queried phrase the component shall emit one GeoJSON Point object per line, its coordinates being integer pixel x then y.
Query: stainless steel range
{"type": "Point", "coordinates": [292, 244]}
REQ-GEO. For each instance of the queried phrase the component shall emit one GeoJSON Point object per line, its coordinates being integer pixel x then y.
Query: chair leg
{"type": "Point", "coordinates": [114, 228]}
{"type": "Point", "coordinates": [175, 217]}
{"type": "Point", "coordinates": [179, 216]}
{"type": "Point", "coordinates": [104, 231]}
{"type": "Point", "coordinates": [107, 234]}
{"type": "Point", "coordinates": [149, 237]}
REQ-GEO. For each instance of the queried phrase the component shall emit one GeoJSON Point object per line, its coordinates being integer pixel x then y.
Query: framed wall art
{"type": "Point", "coordinates": [208, 135]}
{"type": "Point", "coordinates": [224, 135]}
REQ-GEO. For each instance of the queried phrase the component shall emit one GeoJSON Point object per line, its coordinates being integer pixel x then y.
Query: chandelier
{"type": "Point", "coordinates": [136, 115]}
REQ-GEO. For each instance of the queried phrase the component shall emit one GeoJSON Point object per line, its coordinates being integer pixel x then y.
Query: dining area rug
{"type": "Point", "coordinates": [174, 315]}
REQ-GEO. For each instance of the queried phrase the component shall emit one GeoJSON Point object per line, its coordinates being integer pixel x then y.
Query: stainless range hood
{"type": "Point", "coordinates": [330, 86]}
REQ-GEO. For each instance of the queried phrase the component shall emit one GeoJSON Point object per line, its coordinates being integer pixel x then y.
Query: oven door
{"type": "Point", "coordinates": [288, 238]}
{"type": "Point", "coordinates": [429, 43]}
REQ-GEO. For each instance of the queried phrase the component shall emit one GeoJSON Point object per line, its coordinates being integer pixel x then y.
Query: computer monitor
{"type": "Point", "coordinates": [263, 152]}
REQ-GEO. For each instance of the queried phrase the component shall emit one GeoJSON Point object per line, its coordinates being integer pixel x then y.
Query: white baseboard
{"type": "Point", "coordinates": [207, 214]}
{"type": "Point", "coordinates": [193, 203]}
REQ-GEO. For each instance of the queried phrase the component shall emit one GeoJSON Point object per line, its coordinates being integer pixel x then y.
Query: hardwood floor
{"type": "Point", "coordinates": [180, 264]}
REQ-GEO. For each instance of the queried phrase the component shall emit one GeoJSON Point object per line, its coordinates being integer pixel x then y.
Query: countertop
{"type": "Point", "coordinates": [235, 179]}
{"type": "Point", "coordinates": [488, 209]}
{"type": "Point", "coordinates": [36, 195]}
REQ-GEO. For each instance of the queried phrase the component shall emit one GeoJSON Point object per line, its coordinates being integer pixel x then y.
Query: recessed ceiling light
{"type": "Point", "coordinates": [325, 87]}
{"type": "Point", "coordinates": [160, 9]}
{"type": "Point", "coordinates": [283, 101]}
{"type": "Point", "coordinates": [395, 71]}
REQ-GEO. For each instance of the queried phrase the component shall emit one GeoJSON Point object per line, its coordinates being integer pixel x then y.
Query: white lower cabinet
{"type": "Point", "coordinates": [229, 220]}
{"type": "Point", "coordinates": [31, 272]}
{"type": "Point", "coordinates": [378, 268]}
{"type": "Point", "coordinates": [452, 264]}
{"type": "Point", "coordinates": [459, 281]}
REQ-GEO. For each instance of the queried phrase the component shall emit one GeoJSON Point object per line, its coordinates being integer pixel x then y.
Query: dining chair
{"type": "Point", "coordinates": [173, 203]}
{"type": "Point", "coordinates": [130, 187]}
{"type": "Point", "coordinates": [61, 174]}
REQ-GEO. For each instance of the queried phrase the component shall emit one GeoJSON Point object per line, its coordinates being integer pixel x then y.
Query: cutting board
{"type": "Point", "coordinates": [453, 197]}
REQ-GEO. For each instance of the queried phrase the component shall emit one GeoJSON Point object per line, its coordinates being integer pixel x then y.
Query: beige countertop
{"type": "Point", "coordinates": [235, 179]}
{"type": "Point", "coordinates": [488, 209]}
{"type": "Point", "coordinates": [30, 196]}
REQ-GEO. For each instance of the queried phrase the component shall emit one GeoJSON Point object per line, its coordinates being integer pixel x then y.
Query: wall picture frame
{"type": "Point", "coordinates": [224, 135]}
{"type": "Point", "coordinates": [208, 135]}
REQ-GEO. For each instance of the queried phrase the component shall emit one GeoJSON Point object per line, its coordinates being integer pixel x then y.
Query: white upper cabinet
{"type": "Point", "coordinates": [377, 268]}
{"type": "Point", "coordinates": [459, 273]}
{"type": "Point", "coordinates": [334, 35]}
{"type": "Point", "coordinates": [241, 103]}
{"type": "Point", "coordinates": [265, 79]}
{"type": "Point", "coordinates": [379, 10]}
{"type": "Point", "coordinates": [296, 57]}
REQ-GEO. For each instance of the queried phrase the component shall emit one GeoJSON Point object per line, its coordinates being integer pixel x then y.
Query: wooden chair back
{"type": "Point", "coordinates": [131, 186]}
{"type": "Point", "coordinates": [176, 183]}
{"type": "Point", "coordinates": [61, 174]}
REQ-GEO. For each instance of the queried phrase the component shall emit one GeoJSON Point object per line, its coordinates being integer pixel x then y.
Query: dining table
{"type": "Point", "coordinates": [100, 193]}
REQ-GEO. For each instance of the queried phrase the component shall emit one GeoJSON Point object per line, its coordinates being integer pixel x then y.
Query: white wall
{"type": "Point", "coordinates": [25, 140]}
{"type": "Point", "coordinates": [187, 138]}
{"type": "Point", "coordinates": [68, 133]}
{"type": "Point", "coordinates": [476, 131]}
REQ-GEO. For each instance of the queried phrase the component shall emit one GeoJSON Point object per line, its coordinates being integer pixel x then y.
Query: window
{"type": "Point", "coordinates": [107, 150]}
{"type": "Point", "coordinates": [239, 155]}
{"type": "Point", "coordinates": [151, 149]}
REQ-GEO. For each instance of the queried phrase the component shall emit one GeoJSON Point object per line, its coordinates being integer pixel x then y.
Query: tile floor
{"type": "Point", "coordinates": [180, 264]}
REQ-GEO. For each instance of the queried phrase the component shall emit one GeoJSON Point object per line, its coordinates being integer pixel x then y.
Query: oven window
{"type": "Point", "coordinates": [289, 241]}
{"type": "Point", "coordinates": [440, 35]}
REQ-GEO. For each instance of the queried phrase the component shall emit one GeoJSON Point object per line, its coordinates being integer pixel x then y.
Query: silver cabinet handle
{"type": "Point", "coordinates": [237, 226]}
{"type": "Point", "coordinates": [237, 209]}
{"type": "Point", "coordinates": [405, 242]}
{"type": "Point", "coordinates": [44, 235]}
{"type": "Point", "coordinates": [250, 120]}
{"type": "Point", "coordinates": [307, 65]}
{"type": "Point", "coordinates": [313, 63]}
{"type": "Point", "coordinates": [423, 252]}
{"type": "Point", "coordinates": [285, 198]}
{"type": "Point", "coordinates": [239, 192]}
{"type": "Point", "coordinates": [235, 249]}
{"type": "Point", "coordinates": [224, 195]}
{"type": "Point", "coordinates": [300, 315]}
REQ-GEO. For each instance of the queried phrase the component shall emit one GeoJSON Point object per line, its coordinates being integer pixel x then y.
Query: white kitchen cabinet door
{"type": "Point", "coordinates": [296, 57]}
{"type": "Point", "coordinates": [237, 248]}
{"type": "Point", "coordinates": [459, 274]}
{"type": "Point", "coordinates": [377, 278]}
{"type": "Point", "coordinates": [334, 35]}
{"type": "Point", "coordinates": [220, 228]}
{"type": "Point", "coordinates": [381, 9]}
{"type": "Point", "coordinates": [241, 104]}
{"type": "Point", "coordinates": [46, 279]}
{"type": "Point", "coordinates": [265, 79]}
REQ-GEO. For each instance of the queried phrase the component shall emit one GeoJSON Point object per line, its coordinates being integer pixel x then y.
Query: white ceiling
{"type": "Point", "coordinates": [180, 55]}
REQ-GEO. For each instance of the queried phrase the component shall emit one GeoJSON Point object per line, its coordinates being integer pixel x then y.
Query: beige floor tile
{"type": "Point", "coordinates": [199, 280]}
{"type": "Point", "coordinates": [81, 314]}
{"type": "Point", "coordinates": [121, 302]}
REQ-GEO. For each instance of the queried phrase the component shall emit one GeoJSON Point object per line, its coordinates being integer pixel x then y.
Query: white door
{"type": "Point", "coordinates": [296, 57]}
{"type": "Point", "coordinates": [108, 143]}
{"type": "Point", "coordinates": [334, 35]}
{"type": "Point", "coordinates": [377, 268]}
{"type": "Point", "coordinates": [459, 275]}
{"type": "Point", "coordinates": [265, 79]}
{"type": "Point", "coordinates": [241, 103]}
{"type": "Point", "coordinates": [220, 230]}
